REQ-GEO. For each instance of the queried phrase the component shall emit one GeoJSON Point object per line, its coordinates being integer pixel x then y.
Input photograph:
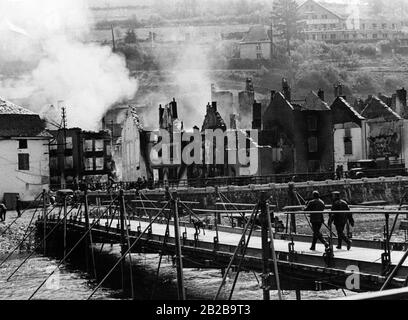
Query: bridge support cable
{"type": "Point", "coordinates": [18, 217]}
{"type": "Point", "coordinates": [225, 208]}
{"type": "Point", "coordinates": [386, 256]}
{"type": "Point", "coordinates": [190, 210]}
{"type": "Point", "coordinates": [179, 257]}
{"type": "Point", "coordinates": [65, 225]}
{"type": "Point", "coordinates": [403, 198]}
{"type": "Point", "coordinates": [26, 235]}
{"type": "Point", "coordinates": [122, 236]}
{"type": "Point", "coordinates": [128, 250]}
{"type": "Point", "coordinates": [255, 211]}
{"type": "Point", "coordinates": [71, 250]}
{"type": "Point", "coordinates": [146, 212]}
{"type": "Point", "coordinates": [125, 229]}
{"type": "Point", "coordinates": [37, 246]}
{"type": "Point", "coordinates": [88, 241]}
{"type": "Point", "coordinates": [21, 241]}
{"type": "Point", "coordinates": [166, 235]}
{"type": "Point", "coordinates": [274, 258]}
{"type": "Point", "coordinates": [394, 271]}
{"type": "Point", "coordinates": [244, 249]}
{"type": "Point", "coordinates": [112, 216]}
{"type": "Point", "coordinates": [29, 224]}
{"type": "Point", "coordinates": [44, 221]}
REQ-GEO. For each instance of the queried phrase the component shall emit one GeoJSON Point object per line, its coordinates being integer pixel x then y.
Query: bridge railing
{"type": "Point", "coordinates": [229, 181]}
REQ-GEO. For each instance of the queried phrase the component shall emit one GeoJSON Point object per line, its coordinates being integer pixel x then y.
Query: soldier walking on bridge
{"type": "Point", "coordinates": [316, 219]}
{"type": "Point", "coordinates": [340, 219]}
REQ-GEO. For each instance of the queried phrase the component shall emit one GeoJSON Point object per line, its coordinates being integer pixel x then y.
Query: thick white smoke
{"type": "Point", "coordinates": [88, 78]}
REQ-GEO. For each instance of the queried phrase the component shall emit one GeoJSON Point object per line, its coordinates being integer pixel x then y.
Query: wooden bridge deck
{"type": "Point", "coordinates": [308, 267]}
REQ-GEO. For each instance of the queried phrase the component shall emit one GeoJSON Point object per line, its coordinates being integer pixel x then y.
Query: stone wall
{"type": "Point", "coordinates": [354, 191]}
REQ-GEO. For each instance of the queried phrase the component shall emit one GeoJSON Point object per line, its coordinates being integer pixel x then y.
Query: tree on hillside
{"type": "Point", "coordinates": [286, 20]}
{"type": "Point", "coordinates": [130, 37]}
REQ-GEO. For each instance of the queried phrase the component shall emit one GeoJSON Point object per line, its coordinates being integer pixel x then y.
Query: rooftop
{"type": "Point", "coordinates": [7, 107]}
{"type": "Point", "coordinates": [256, 34]}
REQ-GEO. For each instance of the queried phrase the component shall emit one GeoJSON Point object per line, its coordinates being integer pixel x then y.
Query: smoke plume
{"type": "Point", "coordinates": [48, 36]}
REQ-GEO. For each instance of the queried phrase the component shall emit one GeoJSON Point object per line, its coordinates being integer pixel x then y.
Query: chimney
{"type": "Point", "coordinates": [402, 96]}
{"type": "Point", "coordinates": [286, 89]}
{"type": "Point", "coordinates": [401, 103]}
{"type": "Point", "coordinates": [214, 106]}
{"type": "Point", "coordinates": [338, 90]}
{"type": "Point", "coordinates": [249, 86]}
{"type": "Point", "coordinates": [257, 116]}
{"type": "Point", "coordinates": [273, 92]}
{"type": "Point", "coordinates": [173, 105]}
{"type": "Point", "coordinates": [233, 121]}
{"type": "Point", "coordinates": [320, 93]}
{"type": "Point", "coordinates": [161, 111]}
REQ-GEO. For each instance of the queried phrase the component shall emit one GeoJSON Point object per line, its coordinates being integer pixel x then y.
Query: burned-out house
{"type": "Point", "coordinates": [301, 133]}
{"type": "Point", "coordinates": [384, 132]}
{"type": "Point", "coordinates": [169, 122]}
{"type": "Point", "coordinates": [224, 100]}
{"type": "Point", "coordinates": [135, 147]}
{"type": "Point", "coordinates": [80, 155]}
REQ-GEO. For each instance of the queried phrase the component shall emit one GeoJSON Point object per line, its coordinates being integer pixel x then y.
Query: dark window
{"type": "Point", "coordinates": [375, 36]}
{"type": "Point", "coordinates": [313, 145]}
{"type": "Point", "coordinates": [348, 142]}
{"type": "Point", "coordinates": [332, 36]}
{"type": "Point", "coordinates": [311, 123]}
{"type": "Point", "coordinates": [348, 146]}
{"type": "Point", "coordinates": [23, 161]}
{"type": "Point", "coordinates": [22, 144]}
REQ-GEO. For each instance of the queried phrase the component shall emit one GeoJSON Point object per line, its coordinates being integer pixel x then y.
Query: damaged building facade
{"type": "Point", "coordinates": [300, 134]}
{"type": "Point", "coordinates": [80, 155]}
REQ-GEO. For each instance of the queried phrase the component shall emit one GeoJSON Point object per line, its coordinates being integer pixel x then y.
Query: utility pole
{"type": "Point", "coordinates": [64, 143]}
{"type": "Point", "coordinates": [265, 243]}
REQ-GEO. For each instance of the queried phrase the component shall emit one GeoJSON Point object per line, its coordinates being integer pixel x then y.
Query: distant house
{"type": "Point", "coordinates": [76, 154]}
{"type": "Point", "coordinates": [24, 161]}
{"type": "Point", "coordinates": [346, 22]}
{"type": "Point", "coordinates": [349, 133]}
{"type": "Point", "coordinates": [256, 44]}
{"type": "Point", "coordinates": [301, 132]}
{"type": "Point", "coordinates": [316, 16]}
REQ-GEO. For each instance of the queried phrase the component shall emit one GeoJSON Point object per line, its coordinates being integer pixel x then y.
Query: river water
{"type": "Point", "coordinates": [72, 283]}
